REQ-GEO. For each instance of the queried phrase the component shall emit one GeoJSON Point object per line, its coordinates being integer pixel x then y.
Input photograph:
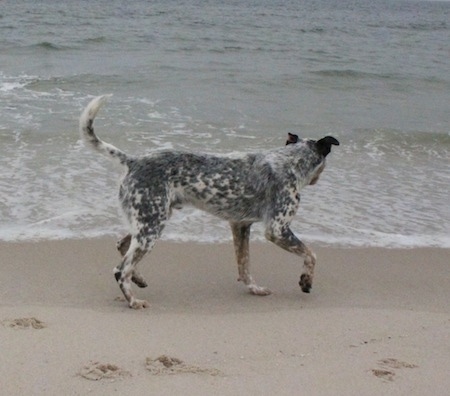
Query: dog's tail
{"type": "Point", "coordinates": [89, 136]}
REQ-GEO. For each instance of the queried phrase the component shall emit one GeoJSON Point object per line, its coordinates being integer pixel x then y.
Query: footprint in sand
{"type": "Point", "coordinates": [396, 364]}
{"type": "Point", "coordinates": [24, 323]}
{"type": "Point", "coordinates": [384, 374]}
{"type": "Point", "coordinates": [164, 365]}
{"type": "Point", "coordinates": [96, 371]}
{"type": "Point", "coordinates": [387, 365]}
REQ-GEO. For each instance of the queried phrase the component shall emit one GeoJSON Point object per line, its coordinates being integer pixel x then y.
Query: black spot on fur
{"type": "Point", "coordinates": [118, 275]}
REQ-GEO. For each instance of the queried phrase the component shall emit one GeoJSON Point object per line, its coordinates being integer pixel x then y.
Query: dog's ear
{"type": "Point", "coordinates": [291, 139]}
{"type": "Point", "coordinates": [324, 145]}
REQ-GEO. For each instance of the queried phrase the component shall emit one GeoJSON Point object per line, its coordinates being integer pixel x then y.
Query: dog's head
{"type": "Point", "coordinates": [322, 146]}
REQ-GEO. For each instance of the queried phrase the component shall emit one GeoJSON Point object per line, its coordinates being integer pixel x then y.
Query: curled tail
{"type": "Point", "coordinates": [89, 136]}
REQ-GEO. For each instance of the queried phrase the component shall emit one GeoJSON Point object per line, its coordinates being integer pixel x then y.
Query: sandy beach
{"type": "Point", "coordinates": [376, 323]}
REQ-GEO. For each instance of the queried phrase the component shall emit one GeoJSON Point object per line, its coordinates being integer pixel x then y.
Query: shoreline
{"type": "Point", "coordinates": [377, 321]}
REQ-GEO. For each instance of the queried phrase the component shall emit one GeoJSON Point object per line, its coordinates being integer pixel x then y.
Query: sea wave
{"type": "Point", "coordinates": [411, 145]}
{"type": "Point", "coordinates": [48, 46]}
{"type": "Point", "coordinates": [353, 74]}
{"type": "Point", "coordinates": [429, 26]}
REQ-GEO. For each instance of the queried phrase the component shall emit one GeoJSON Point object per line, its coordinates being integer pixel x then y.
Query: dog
{"type": "Point", "coordinates": [242, 189]}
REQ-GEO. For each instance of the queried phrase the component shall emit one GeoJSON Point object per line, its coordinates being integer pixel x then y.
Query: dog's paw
{"type": "Point", "coordinates": [259, 290]}
{"type": "Point", "coordinates": [139, 304]}
{"type": "Point", "coordinates": [305, 283]}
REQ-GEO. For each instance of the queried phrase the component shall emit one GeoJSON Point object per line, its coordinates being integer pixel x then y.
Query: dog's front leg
{"type": "Point", "coordinates": [241, 238]}
{"type": "Point", "coordinates": [282, 236]}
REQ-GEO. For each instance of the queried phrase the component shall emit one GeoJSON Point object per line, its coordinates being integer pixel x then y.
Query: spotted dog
{"type": "Point", "coordinates": [242, 189]}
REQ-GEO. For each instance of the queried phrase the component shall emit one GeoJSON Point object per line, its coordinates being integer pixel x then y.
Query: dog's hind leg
{"type": "Point", "coordinates": [122, 246]}
{"type": "Point", "coordinates": [282, 236]}
{"type": "Point", "coordinates": [241, 238]}
{"type": "Point", "coordinates": [125, 271]}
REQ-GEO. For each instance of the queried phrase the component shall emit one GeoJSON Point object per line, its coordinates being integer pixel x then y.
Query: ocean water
{"type": "Point", "coordinates": [224, 77]}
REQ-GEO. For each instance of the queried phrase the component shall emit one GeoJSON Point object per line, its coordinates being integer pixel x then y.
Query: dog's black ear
{"type": "Point", "coordinates": [291, 139]}
{"type": "Point", "coordinates": [324, 145]}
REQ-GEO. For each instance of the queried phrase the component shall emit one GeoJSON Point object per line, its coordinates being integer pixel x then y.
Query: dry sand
{"type": "Point", "coordinates": [376, 323]}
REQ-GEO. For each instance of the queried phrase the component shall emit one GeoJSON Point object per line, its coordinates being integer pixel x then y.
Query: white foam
{"type": "Point", "coordinates": [10, 86]}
